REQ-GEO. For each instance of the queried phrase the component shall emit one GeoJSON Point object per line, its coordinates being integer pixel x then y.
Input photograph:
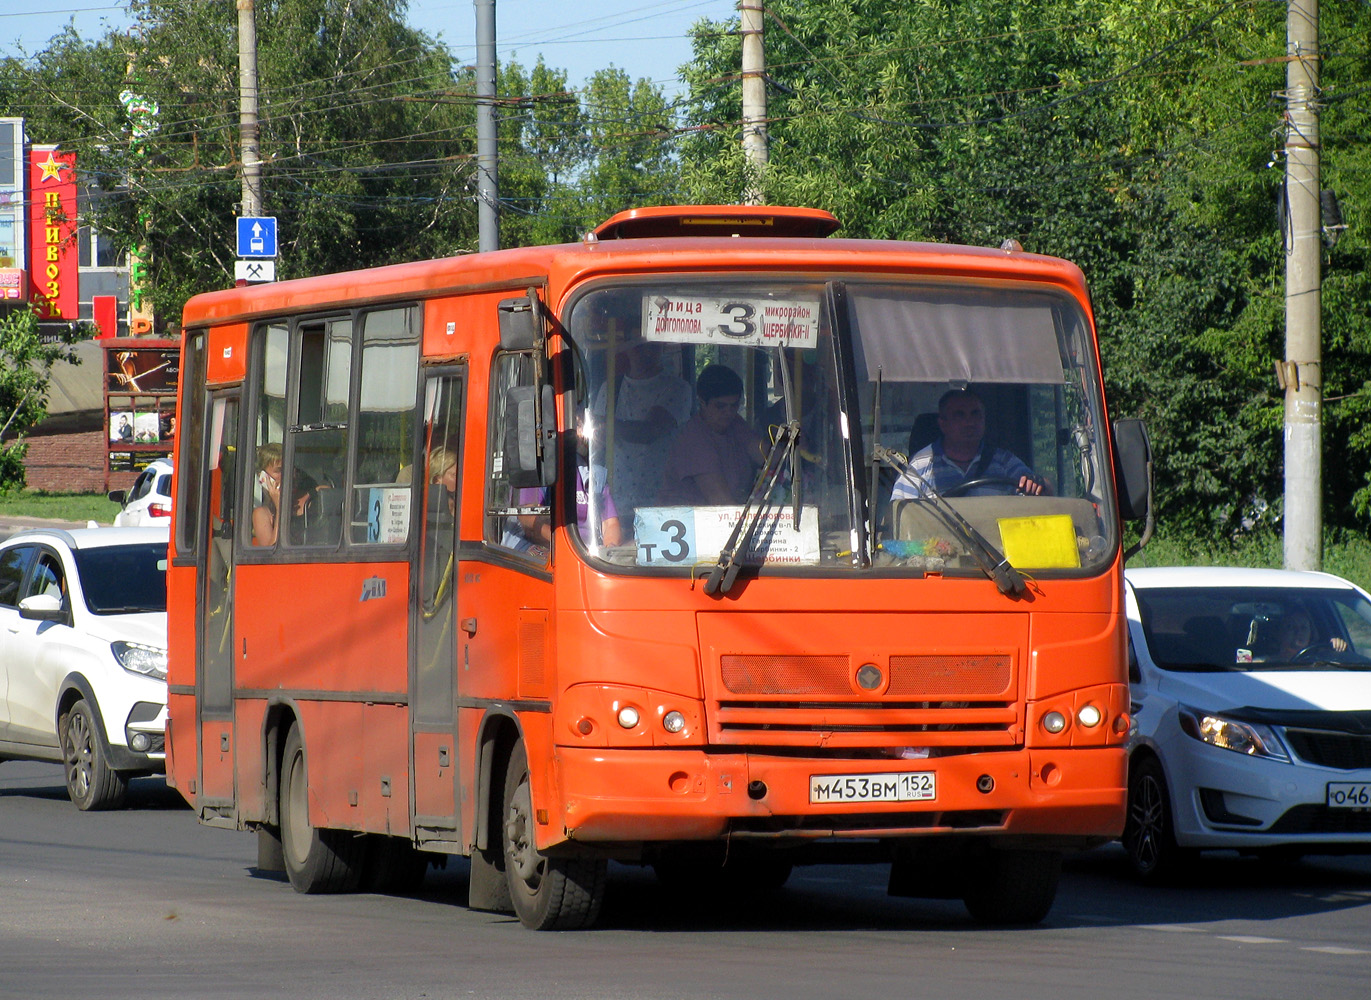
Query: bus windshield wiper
{"type": "Point", "coordinates": [783, 448]}
{"type": "Point", "coordinates": [726, 567]}
{"type": "Point", "coordinates": [992, 561]}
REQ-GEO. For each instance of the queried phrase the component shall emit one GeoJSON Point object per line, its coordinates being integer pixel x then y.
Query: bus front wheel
{"type": "Point", "coordinates": [549, 893]}
{"type": "Point", "coordinates": [317, 861]}
{"type": "Point", "coordinates": [1013, 887]}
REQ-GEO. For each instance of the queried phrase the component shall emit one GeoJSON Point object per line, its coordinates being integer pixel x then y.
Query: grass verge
{"type": "Point", "coordinates": [80, 507]}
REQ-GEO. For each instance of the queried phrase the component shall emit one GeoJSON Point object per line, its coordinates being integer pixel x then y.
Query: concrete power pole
{"type": "Point", "coordinates": [247, 109]}
{"type": "Point", "coordinates": [487, 146]}
{"type": "Point", "coordinates": [754, 99]}
{"type": "Point", "coordinates": [1301, 374]}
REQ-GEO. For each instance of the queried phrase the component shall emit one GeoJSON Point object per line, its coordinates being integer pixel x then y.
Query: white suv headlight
{"type": "Point", "coordinates": [1251, 738]}
{"type": "Point", "coordinates": [139, 659]}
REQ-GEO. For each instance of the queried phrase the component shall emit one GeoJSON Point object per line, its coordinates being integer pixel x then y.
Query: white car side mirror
{"type": "Point", "coordinates": [43, 608]}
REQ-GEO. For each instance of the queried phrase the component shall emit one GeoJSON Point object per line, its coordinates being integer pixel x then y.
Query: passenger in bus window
{"type": "Point", "coordinates": [960, 457]}
{"type": "Point", "coordinates": [714, 460]}
{"type": "Point", "coordinates": [265, 527]}
{"type": "Point", "coordinates": [650, 404]}
{"type": "Point", "coordinates": [442, 469]}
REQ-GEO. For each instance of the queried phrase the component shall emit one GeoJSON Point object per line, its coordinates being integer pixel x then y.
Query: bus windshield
{"type": "Point", "coordinates": [839, 426]}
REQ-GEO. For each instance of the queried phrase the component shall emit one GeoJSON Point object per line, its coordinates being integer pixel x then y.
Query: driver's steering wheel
{"type": "Point", "coordinates": [1010, 485]}
{"type": "Point", "coordinates": [1311, 649]}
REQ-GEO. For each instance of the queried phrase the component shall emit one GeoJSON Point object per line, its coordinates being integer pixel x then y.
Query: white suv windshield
{"type": "Point", "coordinates": [1255, 628]}
{"type": "Point", "coordinates": [123, 579]}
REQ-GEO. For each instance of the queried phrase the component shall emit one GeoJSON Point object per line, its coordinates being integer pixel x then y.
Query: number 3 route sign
{"type": "Point", "coordinates": [257, 236]}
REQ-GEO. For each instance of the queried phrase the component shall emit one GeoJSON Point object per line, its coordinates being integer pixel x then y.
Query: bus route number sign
{"type": "Point", "coordinates": [898, 786]}
{"type": "Point", "coordinates": [692, 319]}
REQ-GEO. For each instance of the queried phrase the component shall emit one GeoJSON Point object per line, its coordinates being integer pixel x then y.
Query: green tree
{"type": "Point", "coordinates": [1132, 138]}
{"type": "Point", "coordinates": [26, 362]}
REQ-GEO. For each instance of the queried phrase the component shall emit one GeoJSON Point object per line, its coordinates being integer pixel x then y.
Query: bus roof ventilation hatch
{"type": "Point", "coordinates": [717, 220]}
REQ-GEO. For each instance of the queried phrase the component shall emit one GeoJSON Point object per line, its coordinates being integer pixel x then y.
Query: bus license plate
{"type": "Point", "coordinates": [902, 786]}
{"type": "Point", "coordinates": [1349, 795]}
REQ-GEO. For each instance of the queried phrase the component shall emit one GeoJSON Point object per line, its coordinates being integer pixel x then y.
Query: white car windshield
{"type": "Point", "coordinates": [124, 579]}
{"type": "Point", "coordinates": [1255, 628]}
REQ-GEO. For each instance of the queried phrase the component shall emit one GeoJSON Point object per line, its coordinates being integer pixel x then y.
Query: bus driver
{"type": "Point", "coordinates": [960, 456]}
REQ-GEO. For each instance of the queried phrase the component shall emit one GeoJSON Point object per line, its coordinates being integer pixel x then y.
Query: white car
{"type": "Point", "coordinates": [148, 502]}
{"type": "Point", "coordinates": [1251, 693]}
{"type": "Point", "coordinates": [83, 655]}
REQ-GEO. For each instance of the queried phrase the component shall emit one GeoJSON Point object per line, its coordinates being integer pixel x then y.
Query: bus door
{"type": "Point", "coordinates": [433, 671]}
{"type": "Point", "coordinates": [214, 612]}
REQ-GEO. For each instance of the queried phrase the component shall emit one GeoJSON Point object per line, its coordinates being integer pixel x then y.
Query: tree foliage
{"type": "Point", "coordinates": [26, 361]}
{"type": "Point", "coordinates": [1130, 137]}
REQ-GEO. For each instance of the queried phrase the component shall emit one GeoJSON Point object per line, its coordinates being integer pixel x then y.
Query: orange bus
{"type": "Point", "coordinates": [647, 549]}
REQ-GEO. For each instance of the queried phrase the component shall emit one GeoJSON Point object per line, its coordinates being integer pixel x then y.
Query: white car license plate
{"type": "Point", "coordinates": [1349, 795]}
{"type": "Point", "coordinates": [898, 786]}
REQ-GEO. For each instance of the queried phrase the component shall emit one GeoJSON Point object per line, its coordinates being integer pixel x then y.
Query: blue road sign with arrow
{"type": "Point", "coordinates": [256, 236]}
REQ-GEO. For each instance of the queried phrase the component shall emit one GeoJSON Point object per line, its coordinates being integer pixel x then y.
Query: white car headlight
{"type": "Point", "coordinates": [139, 659]}
{"type": "Point", "coordinates": [1251, 738]}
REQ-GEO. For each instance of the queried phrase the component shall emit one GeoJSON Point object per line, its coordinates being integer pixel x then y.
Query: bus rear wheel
{"type": "Point", "coordinates": [317, 861]}
{"type": "Point", "coordinates": [549, 893]}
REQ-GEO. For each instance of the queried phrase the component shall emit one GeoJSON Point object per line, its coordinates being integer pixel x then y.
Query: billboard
{"type": "Point", "coordinates": [53, 257]}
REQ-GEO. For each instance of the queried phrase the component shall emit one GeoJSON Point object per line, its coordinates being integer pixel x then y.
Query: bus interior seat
{"type": "Point", "coordinates": [924, 432]}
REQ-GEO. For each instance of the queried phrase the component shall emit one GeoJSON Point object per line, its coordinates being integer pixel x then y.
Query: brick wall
{"type": "Point", "coordinates": [71, 462]}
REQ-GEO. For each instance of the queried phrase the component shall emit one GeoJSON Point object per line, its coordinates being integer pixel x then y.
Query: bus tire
{"type": "Point", "coordinates": [1013, 887]}
{"type": "Point", "coordinates": [317, 861]}
{"type": "Point", "coordinates": [91, 782]}
{"type": "Point", "coordinates": [548, 893]}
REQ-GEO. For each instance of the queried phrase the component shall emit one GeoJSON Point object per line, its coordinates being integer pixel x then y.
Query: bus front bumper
{"type": "Point", "coordinates": [1074, 796]}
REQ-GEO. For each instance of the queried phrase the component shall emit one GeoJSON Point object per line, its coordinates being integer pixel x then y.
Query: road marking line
{"type": "Point", "coordinates": [1250, 939]}
{"type": "Point", "coordinates": [1175, 928]}
{"type": "Point", "coordinates": [1334, 949]}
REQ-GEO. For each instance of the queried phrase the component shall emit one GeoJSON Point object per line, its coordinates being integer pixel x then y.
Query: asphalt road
{"type": "Point", "coordinates": [144, 903]}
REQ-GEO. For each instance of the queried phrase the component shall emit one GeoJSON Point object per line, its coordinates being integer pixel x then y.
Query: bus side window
{"type": "Point", "coordinates": [385, 427]}
{"type": "Point", "coordinates": [515, 516]}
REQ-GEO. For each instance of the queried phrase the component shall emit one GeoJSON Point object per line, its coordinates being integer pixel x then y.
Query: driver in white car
{"type": "Point", "coordinates": [959, 462]}
{"type": "Point", "coordinates": [1295, 635]}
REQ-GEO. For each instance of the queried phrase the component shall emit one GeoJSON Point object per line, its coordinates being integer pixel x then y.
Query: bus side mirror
{"type": "Point", "coordinates": [530, 445]}
{"type": "Point", "coordinates": [1133, 469]}
{"type": "Point", "coordinates": [519, 322]}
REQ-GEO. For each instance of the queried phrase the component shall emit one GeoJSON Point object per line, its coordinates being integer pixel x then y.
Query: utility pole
{"type": "Point", "coordinates": [754, 99]}
{"type": "Point", "coordinates": [1301, 374]}
{"type": "Point", "coordinates": [487, 146]}
{"type": "Point", "coordinates": [247, 109]}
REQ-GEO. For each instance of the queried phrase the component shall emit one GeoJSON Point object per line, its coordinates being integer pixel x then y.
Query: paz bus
{"type": "Point", "coordinates": [432, 592]}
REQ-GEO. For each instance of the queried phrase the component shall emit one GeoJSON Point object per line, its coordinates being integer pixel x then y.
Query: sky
{"type": "Point", "coordinates": [645, 38]}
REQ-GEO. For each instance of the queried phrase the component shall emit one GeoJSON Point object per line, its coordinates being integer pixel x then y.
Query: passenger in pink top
{"type": "Point", "coordinates": [715, 458]}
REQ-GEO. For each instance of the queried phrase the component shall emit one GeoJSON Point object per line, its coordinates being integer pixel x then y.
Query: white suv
{"type": "Point", "coordinates": [83, 655]}
{"type": "Point", "coordinates": [148, 502]}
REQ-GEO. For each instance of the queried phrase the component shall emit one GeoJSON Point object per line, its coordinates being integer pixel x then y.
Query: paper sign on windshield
{"type": "Point", "coordinates": [683, 536]}
{"type": "Point", "coordinates": [750, 322]}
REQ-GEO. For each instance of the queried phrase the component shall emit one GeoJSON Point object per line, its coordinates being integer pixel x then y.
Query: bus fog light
{"type": "Point", "coordinates": [140, 742]}
{"type": "Point", "coordinates": [628, 717]}
{"type": "Point", "coordinates": [585, 727]}
{"type": "Point", "coordinates": [1054, 722]}
{"type": "Point", "coordinates": [673, 722]}
{"type": "Point", "coordinates": [1089, 716]}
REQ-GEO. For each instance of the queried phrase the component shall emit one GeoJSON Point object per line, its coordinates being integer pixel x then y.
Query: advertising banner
{"type": "Point", "coordinates": [52, 233]}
